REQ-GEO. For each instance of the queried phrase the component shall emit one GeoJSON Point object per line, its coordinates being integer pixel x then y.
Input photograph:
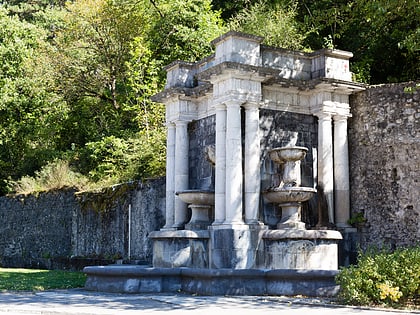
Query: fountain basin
{"type": "Point", "coordinates": [196, 197]}
{"type": "Point", "coordinates": [285, 154]}
{"type": "Point", "coordinates": [200, 202]}
{"type": "Point", "coordinates": [281, 195]}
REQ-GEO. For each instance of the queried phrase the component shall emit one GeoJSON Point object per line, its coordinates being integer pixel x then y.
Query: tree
{"type": "Point", "coordinates": [183, 30]}
{"type": "Point", "coordinates": [383, 35]}
{"type": "Point", "coordinates": [30, 115]}
{"type": "Point", "coordinates": [276, 23]}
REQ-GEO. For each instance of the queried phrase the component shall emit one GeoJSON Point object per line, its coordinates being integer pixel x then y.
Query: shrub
{"type": "Point", "coordinates": [55, 175]}
{"type": "Point", "coordinates": [382, 277]}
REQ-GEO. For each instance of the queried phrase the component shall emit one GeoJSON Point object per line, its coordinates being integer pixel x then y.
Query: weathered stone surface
{"type": "Point", "coordinates": [201, 133]}
{"type": "Point", "coordinates": [59, 230]}
{"type": "Point", "coordinates": [184, 248]}
{"type": "Point", "coordinates": [35, 228]}
{"type": "Point", "coordinates": [385, 164]}
{"type": "Point", "coordinates": [138, 279]}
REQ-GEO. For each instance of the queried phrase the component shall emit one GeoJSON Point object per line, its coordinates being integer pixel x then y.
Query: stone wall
{"type": "Point", "coordinates": [35, 227]}
{"type": "Point", "coordinates": [64, 229]}
{"type": "Point", "coordinates": [201, 133]}
{"type": "Point", "coordinates": [384, 143]}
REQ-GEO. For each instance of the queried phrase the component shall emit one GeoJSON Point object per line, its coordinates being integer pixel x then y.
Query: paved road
{"type": "Point", "coordinates": [81, 302]}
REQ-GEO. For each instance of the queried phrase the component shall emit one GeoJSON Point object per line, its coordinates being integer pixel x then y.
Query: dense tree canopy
{"type": "Point", "coordinates": [76, 76]}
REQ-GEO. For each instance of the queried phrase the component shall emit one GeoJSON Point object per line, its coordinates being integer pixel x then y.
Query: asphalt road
{"type": "Point", "coordinates": [81, 302]}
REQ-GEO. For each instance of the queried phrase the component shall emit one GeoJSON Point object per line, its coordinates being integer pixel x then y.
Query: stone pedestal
{"type": "Point", "coordinates": [235, 248]}
{"type": "Point", "coordinates": [301, 249]}
{"type": "Point", "coordinates": [181, 248]}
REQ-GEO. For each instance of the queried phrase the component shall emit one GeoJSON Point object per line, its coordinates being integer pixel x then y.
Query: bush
{"type": "Point", "coordinates": [55, 175]}
{"type": "Point", "coordinates": [382, 277]}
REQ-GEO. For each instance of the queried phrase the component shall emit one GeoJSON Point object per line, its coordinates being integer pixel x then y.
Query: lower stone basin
{"type": "Point", "coordinates": [284, 154]}
{"type": "Point", "coordinates": [196, 197]}
{"type": "Point", "coordinates": [291, 194]}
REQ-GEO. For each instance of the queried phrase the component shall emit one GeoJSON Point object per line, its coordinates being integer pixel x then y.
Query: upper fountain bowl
{"type": "Point", "coordinates": [196, 197]}
{"type": "Point", "coordinates": [285, 154]}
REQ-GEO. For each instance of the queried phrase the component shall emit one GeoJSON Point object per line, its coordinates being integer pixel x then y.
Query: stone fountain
{"type": "Point", "coordinates": [289, 195]}
{"type": "Point", "coordinates": [200, 201]}
{"type": "Point", "coordinates": [242, 99]}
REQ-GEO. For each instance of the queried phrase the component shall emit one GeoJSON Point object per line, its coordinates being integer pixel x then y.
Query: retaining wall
{"type": "Point", "coordinates": [65, 229]}
{"type": "Point", "coordinates": [384, 143]}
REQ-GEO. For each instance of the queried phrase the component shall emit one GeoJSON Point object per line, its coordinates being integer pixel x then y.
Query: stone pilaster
{"type": "Point", "coordinates": [170, 177]}
{"type": "Point", "coordinates": [220, 169]}
{"type": "Point", "coordinates": [341, 172]}
{"type": "Point", "coordinates": [325, 160]}
{"type": "Point", "coordinates": [234, 176]}
{"type": "Point", "coordinates": [181, 171]}
{"type": "Point", "coordinates": [252, 163]}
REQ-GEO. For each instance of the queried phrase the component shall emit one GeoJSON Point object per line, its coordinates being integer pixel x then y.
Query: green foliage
{"type": "Point", "coordinates": [275, 23]}
{"type": "Point", "coordinates": [183, 30]}
{"type": "Point", "coordinates": [382, 277]}
{"type": "Point", "coordinates": [383, 35]}
{"type": "Point", "coordinates": [39, 280]}
{"type": "Point", "coordinates": [356, 218]}
{"type": "Point", "coordinates": [29, 112]}
{"type": "Point", "coordinates": [116, 160]}
{"type": "Point", "coordinates": [54, 175]}
{"type": "Point", "coordinates": [76, 77]}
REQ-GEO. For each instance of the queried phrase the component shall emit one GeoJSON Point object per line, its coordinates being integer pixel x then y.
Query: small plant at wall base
{"type": "Point", "coordinates": [382, 277]}
{"type": "Point", "coordinates": [357, 218]}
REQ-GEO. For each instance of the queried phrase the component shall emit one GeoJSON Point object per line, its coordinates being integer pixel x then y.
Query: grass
{"type": "Point", "coordinates": [39, 280]}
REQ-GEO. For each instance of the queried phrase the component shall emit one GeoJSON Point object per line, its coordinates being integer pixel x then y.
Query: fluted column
{"type": "Point", "coordinates": [252, 163]}
{"type": "Point", "coordinates": [341, 172]}
{"type": "Point", "coordinates": [181, 171]}
{"type": "Point", "coordinates": [233, 163]}
{"type": "Point", "coordinates": [220, 168]}
{"type": "Point", "coordinates": [170, 177]}
{"type": "Point", "coordinates": [325, 160]}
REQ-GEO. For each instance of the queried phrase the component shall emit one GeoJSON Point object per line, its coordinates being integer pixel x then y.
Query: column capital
{"type": "Point", "coordinates": [341, 117]}
{"type": "Point", "coordinates": [220, 106]}
{"type": "Point", "coordinates": [322, 115]}
{"type": "Point", "coordinates": [233, 102]}
{"type": "Point", "coordinates": [249, 105]}
{"type": "Point", "coordinates": [181, 122]}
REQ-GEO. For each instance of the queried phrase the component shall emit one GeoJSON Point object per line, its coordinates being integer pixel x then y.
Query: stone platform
{"type": "Point", "coordinates": [144, 279]}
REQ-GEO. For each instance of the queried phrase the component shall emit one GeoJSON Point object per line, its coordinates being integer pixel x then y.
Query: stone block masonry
{"type": "Point", "coordinates": [68, 230]}
{"type": "Point", "coordinates": [384, 142]}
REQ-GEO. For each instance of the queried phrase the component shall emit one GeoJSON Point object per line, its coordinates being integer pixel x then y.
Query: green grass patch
{"type": "Point", "coordinates": [39, 280]}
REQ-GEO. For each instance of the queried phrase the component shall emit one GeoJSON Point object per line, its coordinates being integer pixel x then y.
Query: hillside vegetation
{"type": "Point", "coordinates": [76, 76]}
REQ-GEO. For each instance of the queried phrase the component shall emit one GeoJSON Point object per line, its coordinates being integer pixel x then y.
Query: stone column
{"type": "Point", "coordinates": [252, 163]}
{"type": "Point", "coordinates": [341, 172]}
{"type": "Point", "coordinates": [325, 160]}
{"type": "Point", "coordinates": [181, 171]}
{"type": "Point", "coordinates": [233, 163]}
{"type": "Point", "coordinates": [170, 177]}
{"type": "Point", "coordinates": [220, 166]}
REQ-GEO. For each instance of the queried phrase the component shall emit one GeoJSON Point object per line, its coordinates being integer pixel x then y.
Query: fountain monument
{"type": "Point", "coordinates": [235, 226]}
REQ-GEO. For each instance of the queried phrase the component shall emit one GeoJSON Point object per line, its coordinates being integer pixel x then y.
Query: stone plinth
{"type": "Point", "coordinates": [235, 247]}
{"type": "Point", "coordinates": [140, 279]}
{"type": "Point", "coordinates": [182, 248]}
{"type": "Point", "coordinates": [301, 249]}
